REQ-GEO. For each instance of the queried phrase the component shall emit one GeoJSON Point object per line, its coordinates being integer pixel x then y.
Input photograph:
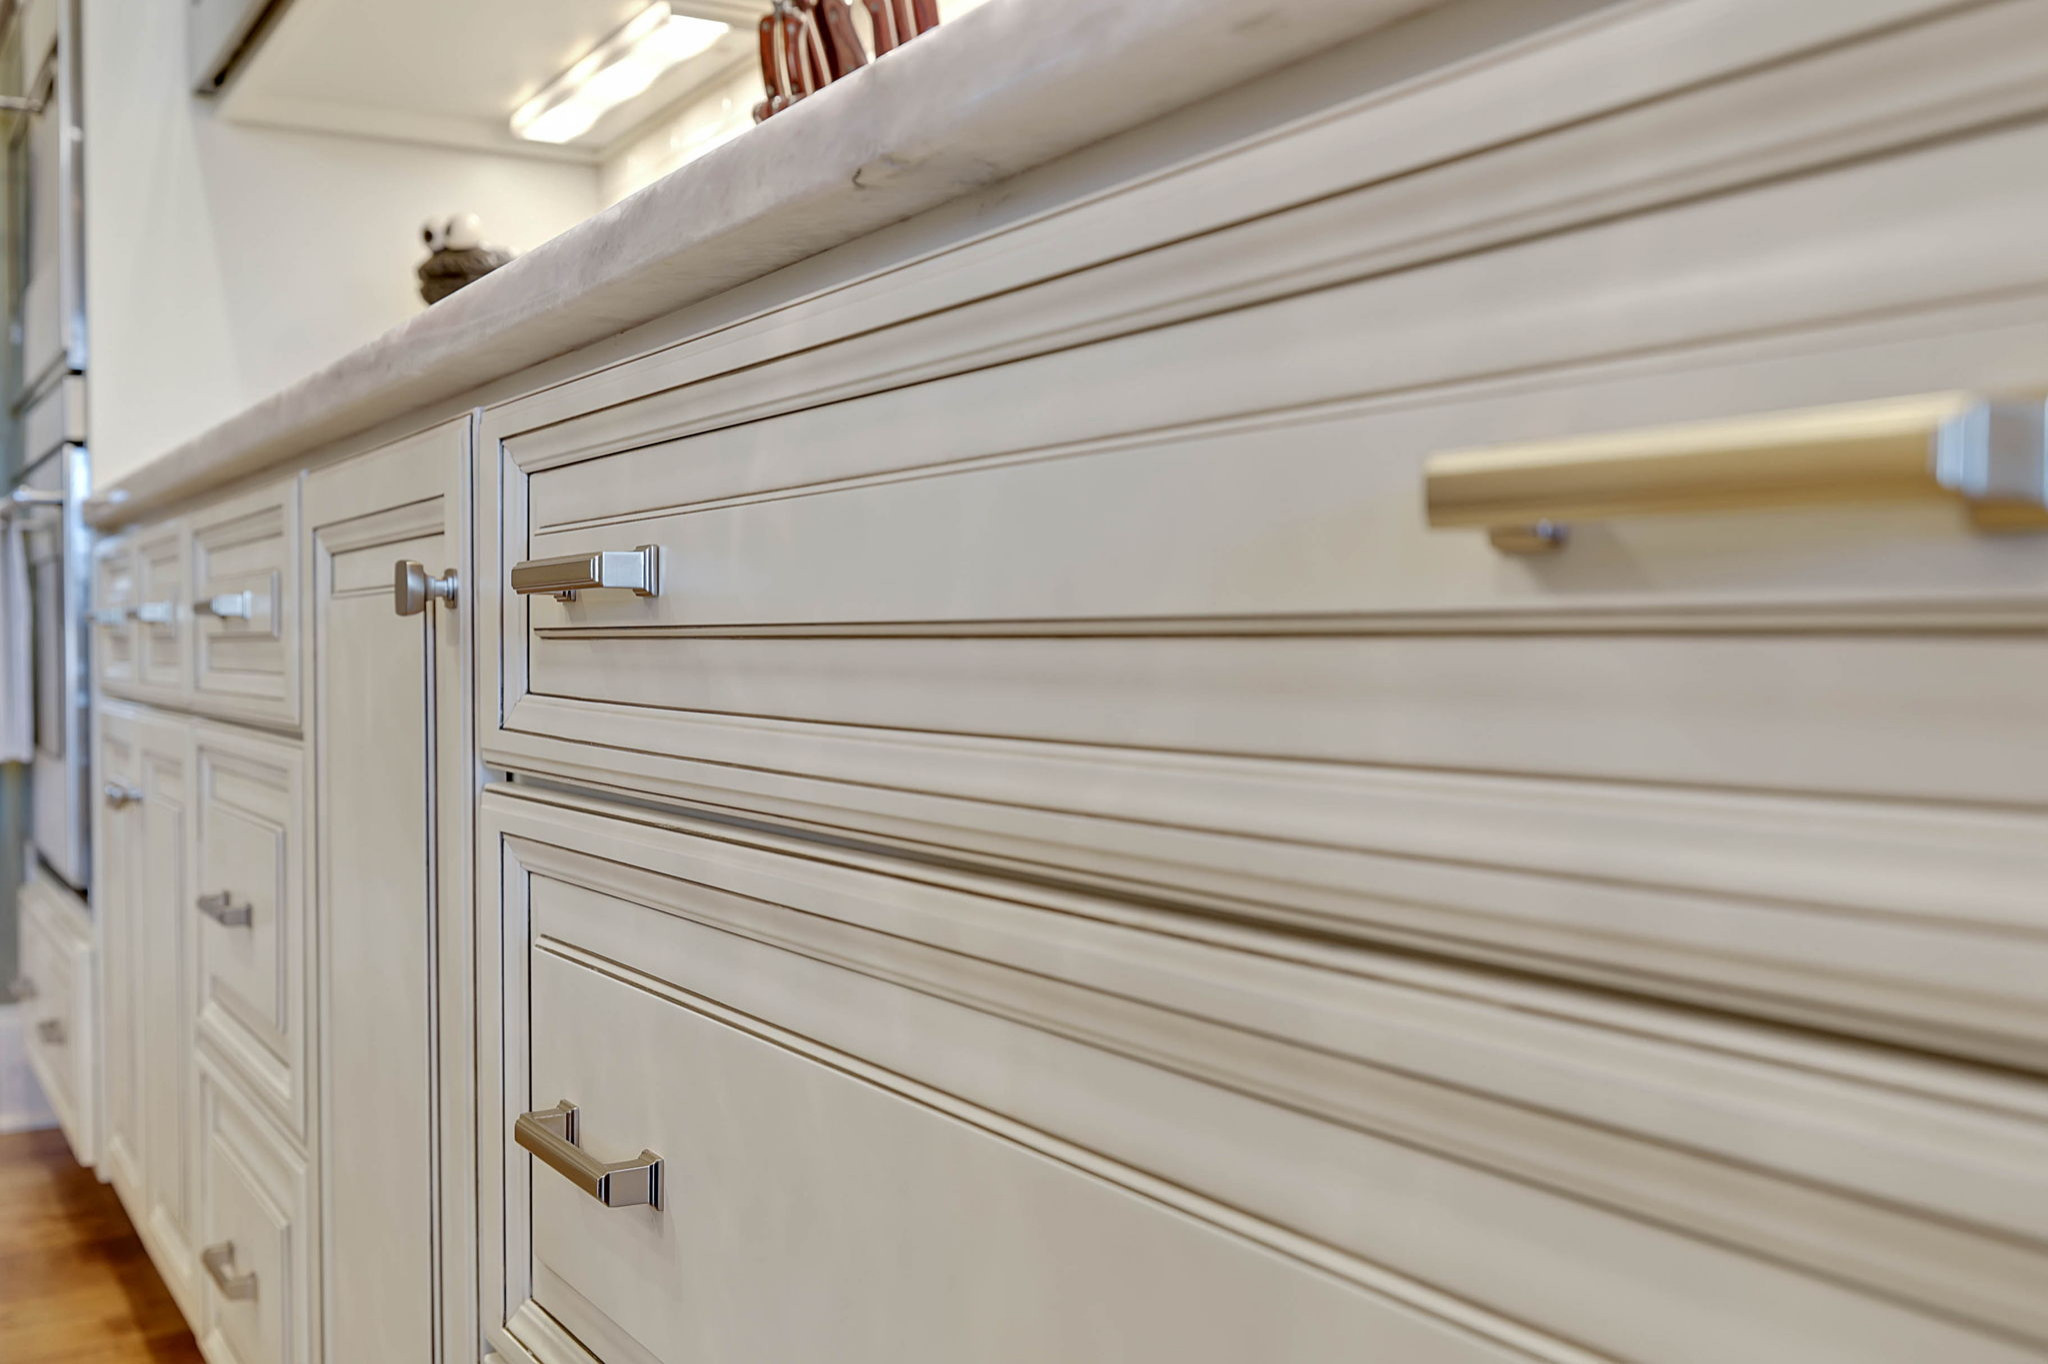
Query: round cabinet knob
{"type": "Point", "coordinates": [120, 796]}
{"type": "Point", "coordinates": [412, 587]}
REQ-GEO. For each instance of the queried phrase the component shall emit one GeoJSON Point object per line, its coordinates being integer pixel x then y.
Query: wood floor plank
{"type": "Point", "coordinates": [76, 1286]}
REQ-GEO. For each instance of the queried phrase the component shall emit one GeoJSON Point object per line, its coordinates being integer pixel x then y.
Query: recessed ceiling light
{"type": "Point", "coordinates": [616, 70]}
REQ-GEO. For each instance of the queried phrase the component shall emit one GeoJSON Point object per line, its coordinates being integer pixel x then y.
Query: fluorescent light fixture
{"type": "Point", "coordinates": [616, 70]}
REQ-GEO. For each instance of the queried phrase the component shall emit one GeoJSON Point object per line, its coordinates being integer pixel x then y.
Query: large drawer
{"type": "Point", "coordinates": [255, 1234]}
{"type": "Point", "coordinates": [249, 928]}
{"type": "Point", "coordinates": [244, 585]}
{"type": "Point", "coordinates": [1160, 610]}
{"type": "Point", "coordinates": [903, 1113]}
{"type": "Point", "coordinates": [57, 993]}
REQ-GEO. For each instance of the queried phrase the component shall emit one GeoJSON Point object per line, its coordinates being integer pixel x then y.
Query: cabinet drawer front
{"type": "Point", "coordinates": [935, 1088]}
{"type": "Point", "coordinates": [254, 1239]}
{"type": "Point", "coordinates": [248, 913]}
{"type": "Point", "coordinates": [58, 1012]}
{"type": "Point", "coordinates": [245, 604]}
{"type": "Point", "coordinates": [115, 630]}
{"type": "Point", "coordinates": [163, 615]}
{"type": "Point", "coordinates": [1162, 612]}
{"type": "Point", "coordinates": [897, 1218]}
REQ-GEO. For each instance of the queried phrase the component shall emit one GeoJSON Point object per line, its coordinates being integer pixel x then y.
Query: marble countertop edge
{"type": "Point", "coordinates": [1003, 88]}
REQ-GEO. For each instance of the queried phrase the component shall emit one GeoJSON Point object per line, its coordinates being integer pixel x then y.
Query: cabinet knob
{"type": "Point", "coordinates": [51, 1032]}
{"type": "Point", "coordinates": [412, 587]}
{"type": "Point", "coordinates": [226, 606]}
{"type": "Point", "coordinates": [220, 907]}
{"type": "Point", "coordinates": [219, 1262]}
{"type": "Point", "coordinates": [119, 796]}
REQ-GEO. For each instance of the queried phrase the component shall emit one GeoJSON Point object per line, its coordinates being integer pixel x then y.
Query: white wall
{"type": "Point", "coordinates": [224, 262]}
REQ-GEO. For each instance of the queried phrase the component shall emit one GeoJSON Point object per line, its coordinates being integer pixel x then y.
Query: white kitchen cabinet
{"type": "Point", "coordinates": [1115, 564]}
{"type": "Point", "coordinates": [114, 633]}
{"type": "Point", "coordinates": [937, 1115]}
{"type": "Point", "coordinates": [250, 930]}
{"type": "Point", "coordinates": [395, 784]}
{"type": "Point", "coordinates": [1012, 834]}
{"type": "Point", "coordinates": [59, 991]}
{"type": "Point", "coordinates": [143, 897]}
{"type": "Point", "coordinates": [117, 854]}
{"type": "Point", "coordinates": [163, 617]}
{"type": "Point", "coordinates": [243, 577]}
{"type": "Point", "coordinates": [254, 1232]}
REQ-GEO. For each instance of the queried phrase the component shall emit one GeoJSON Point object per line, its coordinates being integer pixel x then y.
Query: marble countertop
{"type": "Point", "coordinates": [1002, 88]}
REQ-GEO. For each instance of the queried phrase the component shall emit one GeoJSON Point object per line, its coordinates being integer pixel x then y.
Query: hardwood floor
{"type": "Point", "coordinates": [75, 1285]}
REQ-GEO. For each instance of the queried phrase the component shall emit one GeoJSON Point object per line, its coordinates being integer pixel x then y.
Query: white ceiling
{"type": "Point", "coordinates": [450, 72]}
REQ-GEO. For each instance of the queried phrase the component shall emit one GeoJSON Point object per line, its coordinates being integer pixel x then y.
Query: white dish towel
{"type": "Point", "coordinates": [17, 647]}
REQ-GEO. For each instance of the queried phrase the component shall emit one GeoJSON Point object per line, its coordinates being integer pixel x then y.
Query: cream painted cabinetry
{"type": "Point", "coordinates": [1095, 551]}
{"type": "Point", "coordinates": [395, 776]}
{"type": "Point", "coordinates": [1010, 834]}
{"type": "Point", "coordinates": [143, 881]}
{"type": "Point", "coordinates": [285, 1101]}
{"type": "Point", "coordinates": [58, 988]}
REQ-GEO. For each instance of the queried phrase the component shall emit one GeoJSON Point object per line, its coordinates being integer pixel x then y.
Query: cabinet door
{"type": "Point", "coordinates": [117, 851]}
{"type": "Point", "coordinates": [393, 786]}
{"type": "Point", "coordinates": [162, 938]}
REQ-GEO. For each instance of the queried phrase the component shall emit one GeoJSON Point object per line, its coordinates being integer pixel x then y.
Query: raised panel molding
{"type": "Point", "coordinates": [1788, 1148]}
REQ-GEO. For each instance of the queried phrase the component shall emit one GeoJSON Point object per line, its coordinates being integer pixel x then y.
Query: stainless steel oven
{"type": "Point", "coordinates": [50, 472]}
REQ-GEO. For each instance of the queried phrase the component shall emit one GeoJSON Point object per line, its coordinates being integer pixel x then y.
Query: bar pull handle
{"type": "Point", "coordinates": [550, 1135]}
{"type": "Point", "coordinates": [120, 797]}
{"type": "Point", "coordinates": [51, 1031]}
{"type": "Point", "coordinates": [220, 1267]}
{"type": "Point", "coordinates": [110, 616]}
{"type": "Point", "coordinates": [157, 613]}
{"type": "Point", "coordinates": [1990, 455]}
{"type": "Point", "coordinates": [636, 569]}
{"type": "Point", "coordinates": [226, 605]}
{"type": "Point", "coordinates": [220, 907]}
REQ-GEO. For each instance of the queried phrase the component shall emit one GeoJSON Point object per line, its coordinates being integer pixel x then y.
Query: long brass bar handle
{"type": "Point", "coordinates": [637, 569]}
{"type": "Point", "coordinates": [551, 1135]}
{"type": "Point", "coordinates": [1988, 454]}
{"type": "Point", "coordinates": [219, 1262]}
{"type": "Point", "coordinates": [220, 907]}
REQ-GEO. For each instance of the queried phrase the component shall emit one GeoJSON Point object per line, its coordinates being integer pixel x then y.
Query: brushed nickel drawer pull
{"type": "Point", "coordinates": [1989, 454]}
{"type": "Point", "coordinates": [220, 1267]}
{"type": "Point", "coordinates": [226, 606]}
{"type": "Point", "coordinates": [220, 907]}
{"type": "Point", "coordinates": [157, 613]}
{"type": "Point", "coordinates": [638, 569]}
{"type": "Point", "coordinates": [52, 1032]}
{"type": "Point", "coordinates": [119, 796]}
{"type": "Point", "coordinates": [551, 1135]}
